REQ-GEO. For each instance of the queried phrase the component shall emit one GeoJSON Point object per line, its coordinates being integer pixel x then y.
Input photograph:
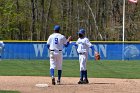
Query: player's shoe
{"type": "Point", "coordinates": [58, 82]}
{"type": "Point", "coordinates": [53, 81]}
{"type": "Point", "coordinates": [80, 82]}
{"type": "Point", "coordinates": [85, 81]}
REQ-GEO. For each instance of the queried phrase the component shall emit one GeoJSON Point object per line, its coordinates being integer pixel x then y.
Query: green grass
{"type": "Point", "coordinates": [98, 69]}
{"type": "Point", "coordinates": [6, 91]}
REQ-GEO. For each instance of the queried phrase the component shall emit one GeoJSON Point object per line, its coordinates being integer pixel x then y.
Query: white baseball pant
{"type": "Point", "coordinates": [82, 60]}
{"type": "Point", "coordinates": [56, 59]}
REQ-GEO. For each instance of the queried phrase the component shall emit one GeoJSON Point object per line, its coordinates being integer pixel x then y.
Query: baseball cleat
{"type": "Point", "coordinates": [80, 82]}
{"type": "Point", "coordinates": [85, 81]}
{"type": "Point", "coordinates": [58, 82]}
{"type": "Point", "coordinates": [53, 81]}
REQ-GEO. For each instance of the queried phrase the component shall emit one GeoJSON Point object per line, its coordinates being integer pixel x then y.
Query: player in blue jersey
{"type": "Point", "coordinates": [83, 45]}
{"type": "Point", "coordinates": [55, 43]}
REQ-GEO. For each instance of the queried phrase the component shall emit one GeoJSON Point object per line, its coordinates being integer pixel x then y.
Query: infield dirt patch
{"type": "Point", "coordinates": [26, 84]}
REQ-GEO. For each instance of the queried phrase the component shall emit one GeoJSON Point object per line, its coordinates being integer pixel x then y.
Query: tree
{"type": "Point", "coordinates": [34, 20]}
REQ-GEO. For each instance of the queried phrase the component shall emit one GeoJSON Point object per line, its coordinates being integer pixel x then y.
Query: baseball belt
{"type": "Point", "coordinates": [54, 50]}
{"type": "Point", "coordinates": [81, 53]}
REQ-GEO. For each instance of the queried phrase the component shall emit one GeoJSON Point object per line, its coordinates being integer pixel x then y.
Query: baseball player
{"type": "Point", "coordinates": [83, 45]}
{"type": "Point", "coordinates": [55, 43]}
{"type": "Point", "coordinates": [1, 48]}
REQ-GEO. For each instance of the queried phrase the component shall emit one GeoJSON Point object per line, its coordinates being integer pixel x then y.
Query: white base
{"type": "Point", "coordinates": [42, 85]}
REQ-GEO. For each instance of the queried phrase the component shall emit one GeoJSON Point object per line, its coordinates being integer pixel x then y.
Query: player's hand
{"type": "Point", "coordinates": [69, 38]}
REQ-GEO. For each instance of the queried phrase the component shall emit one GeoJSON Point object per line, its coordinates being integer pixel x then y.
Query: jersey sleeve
{"type": "Point", "coordinates": [49, 41]}
{"type": "Point", "coordinates": [64, 40]}
{"type": "Point", "coordinates": [76, 43]}
{"type": "Point", "coordinates": [88, 43]}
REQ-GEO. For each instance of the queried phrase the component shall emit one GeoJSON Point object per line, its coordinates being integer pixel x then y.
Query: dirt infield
{"type": "Point", "coordinates": [26, 84]}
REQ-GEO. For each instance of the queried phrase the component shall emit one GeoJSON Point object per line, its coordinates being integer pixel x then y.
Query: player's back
{"type": "Point", "coordinates": [56, 41]}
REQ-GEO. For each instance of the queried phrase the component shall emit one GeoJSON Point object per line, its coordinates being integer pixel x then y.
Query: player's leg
{"type": "Point", "coordinates": [85, 71]}
{"type": "Point", "coordinates": [85, 81]}
{"type": "Point", "coordinates": [81, 77]}
{"type": "Point", "coordinates": [81, 61]}
{"type": "Point", "coordinates": [59, 66]}
{"type": "Point", "coordinates": [52, 66]}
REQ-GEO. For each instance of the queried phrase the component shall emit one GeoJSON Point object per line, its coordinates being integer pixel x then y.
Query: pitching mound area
{"type": "Point", "coordinates": [27, 84]}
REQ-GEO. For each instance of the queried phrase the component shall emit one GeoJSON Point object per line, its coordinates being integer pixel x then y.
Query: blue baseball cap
{"type": "Point", "coordinates": [81, 31]}
{"type": "Point", "coordinates": [56, 27]}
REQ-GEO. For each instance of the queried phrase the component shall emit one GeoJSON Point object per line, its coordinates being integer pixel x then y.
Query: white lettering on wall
{"type": "Point", "coordinates": [73, 52]}
{"type": "Point", "coordinates": [38, 49]}
{"type": "Point", "coordinates": [65, 52]}
{"type": "Point", "coordinates": [102, 48]}
{"type": "Point", "coordinates": [95, 47]}
{"type": "Point", "coordinates": [91, 54]}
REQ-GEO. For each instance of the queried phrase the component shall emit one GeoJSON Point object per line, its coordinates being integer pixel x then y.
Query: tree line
{"type": "Point", "coordinates": [102, 19]}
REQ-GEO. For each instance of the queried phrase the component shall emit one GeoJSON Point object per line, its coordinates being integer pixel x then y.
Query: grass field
{"type": "Point", "coordinates": [6, 91]}
{"type": "Point", "coordinates": [98, 69]}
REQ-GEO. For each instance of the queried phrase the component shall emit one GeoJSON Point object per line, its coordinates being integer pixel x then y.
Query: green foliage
{"type": "Point", "coordinates": [16, 22]}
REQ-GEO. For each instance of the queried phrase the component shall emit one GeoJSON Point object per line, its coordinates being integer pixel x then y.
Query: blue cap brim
{"type": "Point", "coordinates": [80, 33]}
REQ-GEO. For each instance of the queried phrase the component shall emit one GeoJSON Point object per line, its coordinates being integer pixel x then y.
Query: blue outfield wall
{"type": "Point", "coordinates": [38, 50]}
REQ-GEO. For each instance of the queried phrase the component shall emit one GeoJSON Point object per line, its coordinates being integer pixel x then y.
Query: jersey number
{"type": "Point", "coordinates": [56, 41]}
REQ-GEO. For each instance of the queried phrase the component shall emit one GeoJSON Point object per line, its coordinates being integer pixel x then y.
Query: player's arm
{"type": "Point", "coordinates": [76, 44]}
{"type": "Point", "coordinates": [68, 41]}
{"type": "Point", "coordinates": [94, 51]}
{"type": "Point", "coordinates": [66, 45]}
{"type": "Point", "coordinates": [48, 42]}
{"type": "Point", "coordinates": [48, 46]}
{"type": "Point", "coordinates": [88, 43]}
